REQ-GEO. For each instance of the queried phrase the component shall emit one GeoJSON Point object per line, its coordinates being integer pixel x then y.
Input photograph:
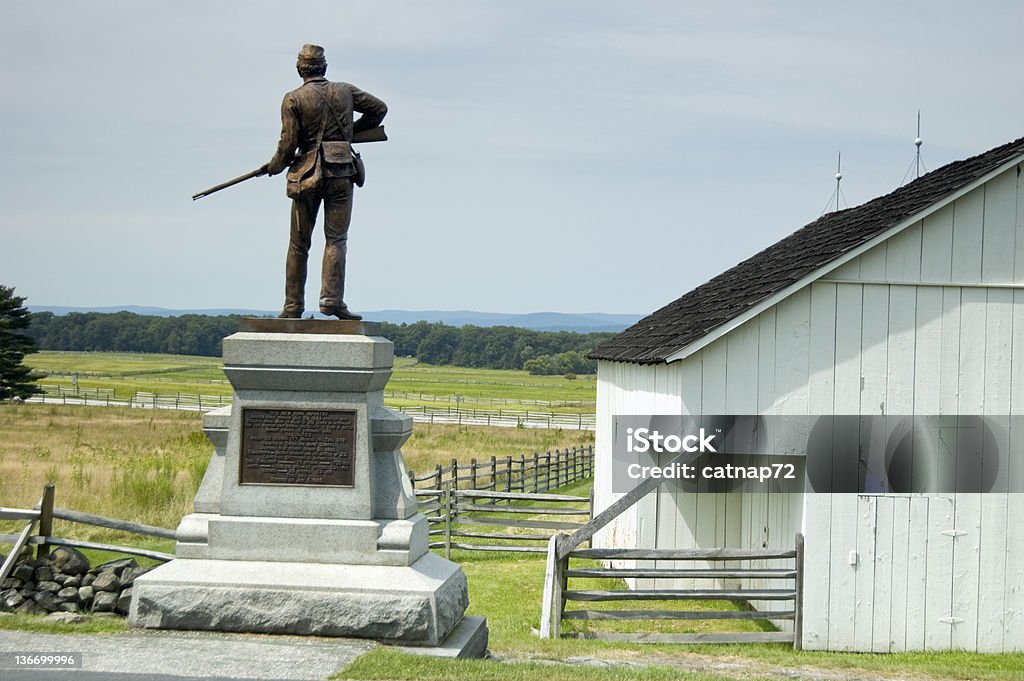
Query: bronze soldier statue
{"type": "Point", "coordinates": [316, 136]}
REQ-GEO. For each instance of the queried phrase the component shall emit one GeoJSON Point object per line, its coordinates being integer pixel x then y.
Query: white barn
{"type": "Point", "coordinates": [912, 303]}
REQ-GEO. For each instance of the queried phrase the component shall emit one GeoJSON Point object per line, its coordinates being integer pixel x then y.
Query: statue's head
{"type": "Point", "coordinates": [311, 61]}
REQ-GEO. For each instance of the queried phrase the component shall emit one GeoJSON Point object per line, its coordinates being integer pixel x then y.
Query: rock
{"type": "Point", "coordinates": [68, 607]}
{"type": "Point", "coordinates": [88, 579]}
{"type": "Point", "coordinates": [46, 600]}
{"type": "Point", "coordinates": [60, 578]}
{"type": "Point", "coordinates": [85, 595]}
{"type": "Point", "coordinates": [116, 565]}
{"type": "Point", "coordinates": [74, 581]}
{"type": "Point", "coordinates": [52, 587]}
{"type": "Point", "coordinates": [65, 617]}
{"type": "Point", "coordinates": [124, 602]}
{"type": "Point", "coordinates": [11, 600]}
{"type": "Point", "coordinates": [68, 593]}
{"type": "Point", "coordinates": [106, 581]}
{"type": "Point", "coordinates": [11, 583]}
{"type": "Point", "coordinates": [30, 607]}
{"type": "Point", "coordinates": [44, 574]}
{"type": "Point", "coordinates": [104, 601]}
{"type": "Point", "coordinates": [70, 561]}
{"type": "Point", "coordinates": [129, 575]}
{"type": "Point", "coordinates": [25, 573]}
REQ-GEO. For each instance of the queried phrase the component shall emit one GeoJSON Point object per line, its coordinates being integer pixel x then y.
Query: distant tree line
{"type": "Point", "coordinates": [189, 334]}
{"type": "Point", "coordinates": [495, 347]}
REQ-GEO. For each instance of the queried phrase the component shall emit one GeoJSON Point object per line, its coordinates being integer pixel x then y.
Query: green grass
{"type": "Point", "coordinates": [92, 625]}
{"type": "Point", "coordinates": [127, 373]}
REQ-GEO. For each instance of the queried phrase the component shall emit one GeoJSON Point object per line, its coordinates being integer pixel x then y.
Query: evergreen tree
{"type": "Point", "coordinates": [16, 379]}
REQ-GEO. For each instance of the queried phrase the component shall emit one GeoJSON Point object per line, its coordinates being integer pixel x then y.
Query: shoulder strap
{"type": "Point", "coordinates": [323, 119]}
{"type": "Point", "coordinates": [330, 106]}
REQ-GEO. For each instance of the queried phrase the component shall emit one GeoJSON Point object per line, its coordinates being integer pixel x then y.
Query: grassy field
{"type": "Point", "coordinates": [411, 384]}
{"type": "Point", "coordinates": [145, 465]}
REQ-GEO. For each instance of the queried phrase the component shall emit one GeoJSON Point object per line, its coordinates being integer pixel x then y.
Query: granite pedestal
{"type": "Point", "coordinates": [306, 522]}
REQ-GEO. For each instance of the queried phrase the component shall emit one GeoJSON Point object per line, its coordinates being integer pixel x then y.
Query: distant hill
{"type": "Point", "coordinates": [586, 322]}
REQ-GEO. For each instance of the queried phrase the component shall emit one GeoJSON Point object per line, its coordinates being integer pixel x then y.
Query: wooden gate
{"type": "Point", "coordinates": [784, 586]}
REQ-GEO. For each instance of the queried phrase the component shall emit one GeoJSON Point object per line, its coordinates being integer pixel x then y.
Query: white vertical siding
{"type": "Point", "coordinates": [978, 239]}
{"type": "Point", "coordinates": [968, 237]}
{"type": "Point", "coordinates": [999, 233]}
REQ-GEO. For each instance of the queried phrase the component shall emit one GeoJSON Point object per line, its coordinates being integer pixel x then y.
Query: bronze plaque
{"type": "Point", "coordinates": [298, 447]}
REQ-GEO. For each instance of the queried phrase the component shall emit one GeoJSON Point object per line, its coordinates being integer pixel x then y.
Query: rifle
{"type": "Point", "coordinates": [372, 135]}
{"type": "Point", "coordinates": [262, 170]}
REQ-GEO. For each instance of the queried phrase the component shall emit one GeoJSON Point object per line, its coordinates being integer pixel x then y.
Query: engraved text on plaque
{"type": "Point", "coordinates": [298, 447]}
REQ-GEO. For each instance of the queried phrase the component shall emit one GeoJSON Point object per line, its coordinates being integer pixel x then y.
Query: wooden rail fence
{"type": "Point", "coordinates": [500, 417]}
{"type": "Point", "coordinates": [743, 591]}
{"type": "Point", "coordinates": [460, 498]}
{"type": "Point", "coordinates": [459, 399]}
{"type": "Point", "coordinates": [64, 394]}
{"type": "Point", "coordinates": [45, 513]}
{"type": "Point", "coordinates": [474, 520]}
{"type": "Point", "coordinates": [537, 473]}
{"type": "Point", "coordinates": [562, 547]}
{"type": "Point", "coordinates": [506, 418]}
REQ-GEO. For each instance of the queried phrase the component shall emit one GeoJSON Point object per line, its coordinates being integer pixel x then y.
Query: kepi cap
{"type": "Point", "coordinates": [311, 54]}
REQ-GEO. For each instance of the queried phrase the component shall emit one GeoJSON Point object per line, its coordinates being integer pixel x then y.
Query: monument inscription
{"type": "Point", "coordinates": [298, 447]}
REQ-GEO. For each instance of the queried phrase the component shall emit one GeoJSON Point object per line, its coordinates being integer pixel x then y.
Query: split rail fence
{"type": "Point", "coordinates": [536, 473]}
{"type": "Point", "coordinates": [44, 514]}
{"type": "Point", "coordinates": [503, 504]}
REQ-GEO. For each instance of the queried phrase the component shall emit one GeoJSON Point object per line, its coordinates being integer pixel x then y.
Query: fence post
{"type": "Point", "coordinates": [472, 473]}
{"type": "Point", "coordinates": [550, 595]}
{"type": "Point", "coordinates": [798, 605]}
{"type": "Point", "coordinates": [508, 474]}
{"type": "Point", "coordinates": [455, 474]}
{"type": "Point", "coordinates": [439, 475]}
{"type": "Point", "coordinates": [536, 473]}
{"type": "Point", "coordinates": [494, 474]}
{"type": "Point", "coordinates": [45, 519]}
{"type": "Point", "coordinates": [448, 510]}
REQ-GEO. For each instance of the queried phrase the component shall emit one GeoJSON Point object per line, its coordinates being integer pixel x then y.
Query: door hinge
{"type": "Point", "coordinates": [954, 533]}
{"type": "Point", "coordinates": [951, 620]}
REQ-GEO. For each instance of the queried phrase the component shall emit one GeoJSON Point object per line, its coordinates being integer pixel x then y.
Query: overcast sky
{"type": "Point", "coordinates": [583, 156]}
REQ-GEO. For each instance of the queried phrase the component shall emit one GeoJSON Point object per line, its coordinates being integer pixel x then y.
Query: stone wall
{"type": "Point", "coordinates": [64, 581]}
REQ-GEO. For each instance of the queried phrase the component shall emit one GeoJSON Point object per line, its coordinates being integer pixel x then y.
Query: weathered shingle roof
{"type": "Point", "coordinates": [656, 337]}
